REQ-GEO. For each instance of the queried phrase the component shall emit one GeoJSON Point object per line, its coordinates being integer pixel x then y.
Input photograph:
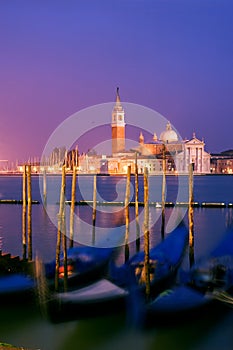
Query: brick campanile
{"type": "Point", "coordinates": [118, 126]}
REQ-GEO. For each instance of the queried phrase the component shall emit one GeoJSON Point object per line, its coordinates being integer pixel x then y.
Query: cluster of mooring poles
{"type": "Point", "coordinates": [146, 221]}
{"type": "Point", "coordinates": [146, 216]}
{"type": "Point", "coordinates": [61, 233]}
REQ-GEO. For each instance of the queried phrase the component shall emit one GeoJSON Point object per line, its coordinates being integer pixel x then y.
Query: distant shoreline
{"type": "Point", "coordinates": [98, 174]}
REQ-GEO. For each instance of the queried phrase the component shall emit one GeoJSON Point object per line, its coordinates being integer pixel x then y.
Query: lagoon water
{"type": "Point", "coordinates": [24, 325]}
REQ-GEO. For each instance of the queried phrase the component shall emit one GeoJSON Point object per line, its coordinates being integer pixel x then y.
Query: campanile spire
{"type": "Point", "coordinates": [118, 96]}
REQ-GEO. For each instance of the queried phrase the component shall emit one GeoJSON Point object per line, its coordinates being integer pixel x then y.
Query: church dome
{"type": "Point", "coordinates": [169, 135]}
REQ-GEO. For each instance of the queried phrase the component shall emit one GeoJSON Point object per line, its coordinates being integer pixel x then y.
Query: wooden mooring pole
{"type": "Point", "coordinates": [64, 241]}
{"type": "Point", "coordinates": [94, 199]}
{"type": "Point", "coordinates": [44, 188]}
{"type": "Point", "coordinates": [190, 216]}
{"type": "Point", "coordinates": [60, 226]}
{"type": "Point", "coordinates": [24, 213]}
{"type": "Point", "coordinates": [72, 207]}
{"type": "Point", "coordinates": [58, 251]}
{"type": "Point", "coordinates": [127, 195]}
{"type": "Point", "coordinates": [94, 208]}
{"type": "Point", "coordinates": [29, 194]}
{"type": "Point", "coordinates": [146, 233]}
{"type": "Point", "coordinates": [136, 206]}
{"type": "Point", "coordinates": [163, 191]}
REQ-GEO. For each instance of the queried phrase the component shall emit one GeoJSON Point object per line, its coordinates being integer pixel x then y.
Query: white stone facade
{"type": "Point", "coordinates": [195, 153]}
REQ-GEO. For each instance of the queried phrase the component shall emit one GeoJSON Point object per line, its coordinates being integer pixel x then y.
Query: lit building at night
{"type": "Point", "coordinates": [222, 163]}
{"type": "Point", "coordinates": [178, 153]}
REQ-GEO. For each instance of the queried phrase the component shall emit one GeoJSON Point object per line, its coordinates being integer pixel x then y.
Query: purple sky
{"type": "Point", "coordinates": [58, 57]}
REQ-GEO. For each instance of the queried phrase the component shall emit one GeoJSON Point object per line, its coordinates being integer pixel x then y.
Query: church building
{"type": "Point", "coordinates": [178, 153]}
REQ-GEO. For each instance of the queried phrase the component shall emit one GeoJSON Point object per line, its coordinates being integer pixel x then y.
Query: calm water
{"type": "Point", "coordinates": [25, 326]}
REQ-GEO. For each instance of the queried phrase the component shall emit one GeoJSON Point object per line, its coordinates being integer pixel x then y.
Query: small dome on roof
{"type": "Point", "coordinates": [169, 135]}
{"type": "Point", "coordinates": [141, 138]}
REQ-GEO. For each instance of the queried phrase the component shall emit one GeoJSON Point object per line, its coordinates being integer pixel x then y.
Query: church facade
{"type": "Point", "coordinates": [194, 152]}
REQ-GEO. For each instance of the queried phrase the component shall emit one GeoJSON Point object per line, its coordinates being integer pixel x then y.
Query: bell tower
{"type": "Point", "coordinates": [118, 126]}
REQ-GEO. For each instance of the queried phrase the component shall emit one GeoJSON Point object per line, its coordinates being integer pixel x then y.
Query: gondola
{"type": "Point", "coordinates": [17, 281]}
{"type": "Point", "coordinates": [205, 288]}
{"type": "Point", "coordinates": [84, 264]}
{"type": "Point", "coordinates": [115, 293]}
{"type": "Point", "coordinates": [164, 261]}
{"type": "Point", "coordinates": [16, 287]}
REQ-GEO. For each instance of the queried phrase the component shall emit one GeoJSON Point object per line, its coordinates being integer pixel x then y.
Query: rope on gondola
{"type": "Point", "coordinates": [222, 296]}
